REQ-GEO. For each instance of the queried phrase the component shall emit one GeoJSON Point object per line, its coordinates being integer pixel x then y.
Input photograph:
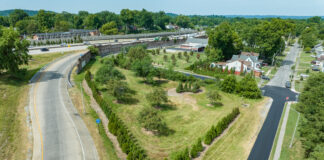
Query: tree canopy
{"type": "Point", "coordinates": [13, 50]}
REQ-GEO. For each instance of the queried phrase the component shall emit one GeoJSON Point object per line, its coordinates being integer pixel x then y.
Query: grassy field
{"type": "Point", "coordinates": [188, 115]}
{"type": "Point", "coordinates": [13, 99]}
{"type": "Point", "coordinates": [296, 151]}
{"type": "Point", "coordinates": [239, 140]}
{"type": "Point", "coordinates": [181, 63]}
{"type": "Point", "coordinates": [103, 144]}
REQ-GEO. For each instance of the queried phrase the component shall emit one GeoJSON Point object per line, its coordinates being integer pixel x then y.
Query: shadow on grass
{"type": "Point", "coordinates": [217, 104]}
{"type": "Point", "coordinates": [166, 107]}
{"type": "Point", "coordinates": [156, 83]}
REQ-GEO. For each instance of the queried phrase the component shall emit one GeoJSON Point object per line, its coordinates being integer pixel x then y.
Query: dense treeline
{"type": "Point", "coordinates": [311, 105]}
{"type": "Point", "coordinates": [127, 141]}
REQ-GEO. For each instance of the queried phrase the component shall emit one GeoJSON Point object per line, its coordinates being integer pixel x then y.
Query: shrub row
{"type": "Point", "coordinates": [217, 130]}
{"type": "Point", "coordinates": [127, 141]}
{"type": "Point", "coordinates": [209, 137]}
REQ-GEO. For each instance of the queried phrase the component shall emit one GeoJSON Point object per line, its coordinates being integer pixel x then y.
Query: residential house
{"type": "Point", "coordinates": [244, 62]}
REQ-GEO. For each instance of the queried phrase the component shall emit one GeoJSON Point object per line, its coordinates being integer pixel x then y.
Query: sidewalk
{"type": "Point", "coordinates": [282, 133]}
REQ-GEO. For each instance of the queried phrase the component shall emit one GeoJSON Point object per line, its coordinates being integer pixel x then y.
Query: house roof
{"type": "Point", "coordinates": [244, 56]}
{"type": "Point", "coordinates": [250, 54]}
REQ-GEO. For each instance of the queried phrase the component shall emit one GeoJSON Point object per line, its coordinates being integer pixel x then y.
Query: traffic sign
{"type": "Point", "coordinates": [98, 121]}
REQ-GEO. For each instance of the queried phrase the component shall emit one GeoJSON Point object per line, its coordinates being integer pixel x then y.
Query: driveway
{"type": "Point", "coordinates": [58, 130]}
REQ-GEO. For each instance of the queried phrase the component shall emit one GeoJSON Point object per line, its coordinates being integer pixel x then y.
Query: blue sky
{"type": "Point", "coordinates": [202, 7]}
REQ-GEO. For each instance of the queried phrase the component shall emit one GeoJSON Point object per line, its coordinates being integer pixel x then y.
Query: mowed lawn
{"type": "Point", "coordinates": [181, 63]}
{"type": "Point", "coordinates": [13, 100]}
{"type": "Point", "coordinates": [296, 152]}
{"type": "Point", "coordinates": [189, 115]}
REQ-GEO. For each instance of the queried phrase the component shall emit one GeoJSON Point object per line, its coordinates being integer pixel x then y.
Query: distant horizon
{"type": "Point", "coordinates": [185, 7]}
{"type": "Point", "coordinates": [231, 15]}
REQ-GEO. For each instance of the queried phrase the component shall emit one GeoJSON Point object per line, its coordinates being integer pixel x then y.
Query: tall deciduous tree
{"type": "Point", "coordinates": [223, 37]}
{"type": "Point", "coordinates": [16, 16]}
{"type": "Point", "coordinates": [109, 28]}
{"type": "Point", "coordinates": [13, 50]}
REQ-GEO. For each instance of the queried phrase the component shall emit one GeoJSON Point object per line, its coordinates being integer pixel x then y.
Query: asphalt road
{"type": "Point", "coordinates": [54, 50]}
{"type": "Point", "coordinates": [275, 89]}
{"type": "Point", "coordinates": [58, 130]}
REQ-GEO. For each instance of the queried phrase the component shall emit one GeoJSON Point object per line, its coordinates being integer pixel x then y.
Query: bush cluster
{"type": "Point", "coordinates": [247, 87]}
{"type": "Point", "coordinates": [188, 87]}
{"type": "Point", "coordinates": [217, 130]}
{"type": "Point", "coordinates": [127, 141]}
{"type": "Point", "coordinates": [196, 148]}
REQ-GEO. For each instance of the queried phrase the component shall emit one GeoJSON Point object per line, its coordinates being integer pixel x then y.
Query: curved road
{"type": "Point", "coordinates": [58, 130]}
{"type": "Point", "coordinates": [277, 91]}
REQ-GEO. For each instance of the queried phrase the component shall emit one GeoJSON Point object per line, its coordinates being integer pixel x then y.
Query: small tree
{"type": "Point", "coordinates": [179, 88]}
{"type": "Point", "coordinates": [307, 49]}
{"type": "Point", "coordinates": [229, 84]}
{"type": "Point", "coordinates": [214, 97]}
{"type": "Point", "coordinates": [152, 121]}
{"type": "Point", "coordinates": [173, 57]}
{"type": "Point", "coordinates": [93, 50]}
{"type": "Point", "coordinates": [185, 53]}
{"type": "Point", "coordinates": [187, 59]}
{"type": "Point", "coordinates": [191, 53]}
{"type": "Point", "coordinates": [164, 50]}
{"type": "Point", "coordinates": [198, 56]}
{"type": "Point", "coordinates": [174, 62]}
{"type": "Point", "coordinates": [165, 57]}
{"type": "Point", "coordinates": [195, 88]}
{"type": "Point", "coordinates": [179, 55]}
{"type": "Point", "coordinates": [157, 97]}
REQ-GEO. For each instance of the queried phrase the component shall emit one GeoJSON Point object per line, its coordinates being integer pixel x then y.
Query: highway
{"type": "Point", "coordinates": [277, 91]}
{"type": "Point", "coordinates": [60, 49]}
{"type": "Point", "coordinates": [58, 130]}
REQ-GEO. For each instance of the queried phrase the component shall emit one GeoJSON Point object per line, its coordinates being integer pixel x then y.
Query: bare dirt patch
{"type": "Point", "coordinates": [184, 98]}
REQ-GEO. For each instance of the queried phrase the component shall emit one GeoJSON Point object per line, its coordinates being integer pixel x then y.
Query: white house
{"type": "Point", "coordinates": [245, 62]}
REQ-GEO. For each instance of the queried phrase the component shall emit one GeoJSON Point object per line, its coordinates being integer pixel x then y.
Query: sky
{"type": "Point", "coordinates": [186, 7]}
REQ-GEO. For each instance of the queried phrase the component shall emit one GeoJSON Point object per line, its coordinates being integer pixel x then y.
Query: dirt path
{"type": "Point", "coordinates": [105, 122]}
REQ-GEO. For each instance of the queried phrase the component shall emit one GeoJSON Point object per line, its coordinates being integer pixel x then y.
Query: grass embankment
{"type": "Point", "coordinates": [103, 144]}
{"type": "Point", "coordinates": [304, 65]}
{"type": "Point", "coordinates": [181, 63]}
{"type": "Point", "coordinates": [239, 139]}
{"type": "Point", "coordinates": [13, 99]}
{"type": "Point", "coordinates": [189, 115]}
{"type": "Point", "coordinates": [296, 152]}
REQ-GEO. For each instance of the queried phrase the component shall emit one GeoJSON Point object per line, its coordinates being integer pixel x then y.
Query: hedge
{"type": "Point", "coordinates": [217, 130]}
{"type": "Point", "coordinates": [127, 141]}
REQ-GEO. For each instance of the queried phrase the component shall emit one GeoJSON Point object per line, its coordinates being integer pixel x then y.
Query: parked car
{"type": "Point", "coordinates": [86, 43]}
{"type": "Point", "coordinates": [288, 84]}
{"type": "Point", "coordinates": [44, 49]}
{"type": "Point", "coordinates": [63, 45]}
{"type": "Point", "coordinates": [265, 77]}
{"type": "Point", "coordinates": [315, 68]}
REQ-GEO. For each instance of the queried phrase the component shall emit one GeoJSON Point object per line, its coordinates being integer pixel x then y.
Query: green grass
{"type": "Point", "coordinates": [296, 151]}
{"type": "Point", "coordinates": [239, 139]}
{"type": "Point", "coordinates": [181, 64]}
{"type": "Point", "coordinates": [189, 116]}
{"type": "Point", "coordinates": [13, 99]}
{"type": "Point", "coordinates": [304, 64]}
{"type": "Point", "coordinates": [274, 146]}
{"type": "Point", "coordinates": [104, 145]}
